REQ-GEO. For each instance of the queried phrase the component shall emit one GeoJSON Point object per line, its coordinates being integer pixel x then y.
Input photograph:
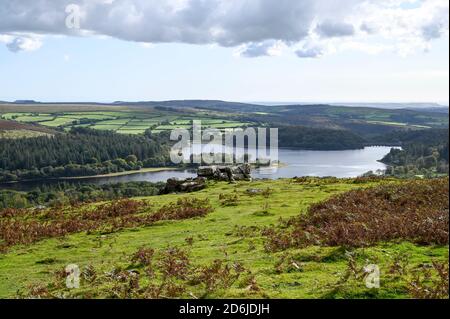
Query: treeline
{"type": "Point", "coordinates": [424, 152]}
{"type": "Point", "coordinates": [80, 152]}
{"type": "Point", "coordinates": [318, 139]}
{"type": "Point", "coordinates": [69, 193]}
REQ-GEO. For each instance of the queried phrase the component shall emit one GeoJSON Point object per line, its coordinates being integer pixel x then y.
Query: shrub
{"type": "Point", "coordinates": [415, 211]}
{"type": "Point", "coordinates": [430, 283]}
{"type": "Point", "coordinates": [19, 226]}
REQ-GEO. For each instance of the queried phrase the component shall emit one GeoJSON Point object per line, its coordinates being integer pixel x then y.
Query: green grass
{"type": "Point", "coordinates": [321, 267]}
{"type": "Point", "coordinates": [172, 127]}
{"type": "Point", "coordinates": [32, 119]}
{"type": "Point", "coordinates": [132, 132]}
{"type": "Point", "coordinates": [10, 116]}
{"type": "Point", "coordinates": [104, 115]}
{"type": "Point", "coordinates": [106, 127]}
{"type": "Point", "coordinates": [88, 116]}
{"type": "Point", "coordinates": [397, 124]}
{"type": "Point", "coordinates": [204, 125]}
{"type": "Point", "coordinates": [114, 122]}
{"type": "Point", "coordinates": [60, 121]}
{"type": "Point", "coordinates": [228, 125]}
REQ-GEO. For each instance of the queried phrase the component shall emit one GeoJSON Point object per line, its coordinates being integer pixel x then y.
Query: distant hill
{"type": "Point", "coordinates": [246, 106]}
{"type": "Point", "coordinates": [208, 104]}
{"type": "Point", "coordinates": [394, 106]}
{"type": "Point", "coordinates": [25, 102]}
{"type": "Point", "coordinates": [368, 120]}
{"type": "Point", "coordinates": [442, 109]}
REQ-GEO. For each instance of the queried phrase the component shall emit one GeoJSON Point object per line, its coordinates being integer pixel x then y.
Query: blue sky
{"type": "Point", "coordinates": [104, 68]}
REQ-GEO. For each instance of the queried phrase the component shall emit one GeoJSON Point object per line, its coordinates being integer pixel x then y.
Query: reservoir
{"type": "Point", "coordinates": [294, 163]}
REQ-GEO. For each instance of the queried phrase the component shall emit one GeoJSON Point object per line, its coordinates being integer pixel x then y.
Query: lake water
{"type": "Point", "coordinates": [342, 164]}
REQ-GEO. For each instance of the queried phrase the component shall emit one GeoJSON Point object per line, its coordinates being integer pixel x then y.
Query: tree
{"type": "Point", "coordinates": [131, 159]}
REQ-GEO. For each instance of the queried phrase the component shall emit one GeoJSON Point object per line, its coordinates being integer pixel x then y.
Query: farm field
{"type": "Point", "coordinates": [398, 124]}
{"type": "Point", "coordinates": [125, 122]}
{"type": "Point", "coordinates": [231, 232]}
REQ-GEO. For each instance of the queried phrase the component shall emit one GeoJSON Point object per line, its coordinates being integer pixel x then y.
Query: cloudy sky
{"type": "Point", "coordinates": [241, 50]}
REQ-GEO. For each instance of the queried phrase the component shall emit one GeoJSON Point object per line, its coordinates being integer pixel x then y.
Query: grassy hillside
{"type": "Point", "coordinates": [232, 232]}
{"type": "Point", "coordinates": [14, 130]}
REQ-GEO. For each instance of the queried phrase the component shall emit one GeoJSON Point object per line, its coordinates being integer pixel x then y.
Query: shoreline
{"type": "Point", "coordinates": [144, 170]}
{"type": "Point", "coordinates": [141, 171]}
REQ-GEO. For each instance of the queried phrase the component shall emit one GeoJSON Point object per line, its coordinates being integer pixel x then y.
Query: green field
{"type": "Point", "coordinates": [33, 119]}
{"type": "Point", "coordinates": [317, 272]}
{"type": "Point", "coordinates": [398, 124]}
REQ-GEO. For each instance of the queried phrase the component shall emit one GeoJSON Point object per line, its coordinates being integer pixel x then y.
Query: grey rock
{"type": "Point", "coordinates": [175, 185]}
{"type": "Point", "coordinates": [226, 173]}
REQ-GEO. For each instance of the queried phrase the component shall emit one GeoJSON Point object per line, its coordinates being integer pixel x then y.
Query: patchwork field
{"type": "Point", "coordinates": [121, 122]}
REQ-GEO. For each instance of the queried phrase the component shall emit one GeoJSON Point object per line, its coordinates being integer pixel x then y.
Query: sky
{"type": "Point", "coordinates": [235, 50]}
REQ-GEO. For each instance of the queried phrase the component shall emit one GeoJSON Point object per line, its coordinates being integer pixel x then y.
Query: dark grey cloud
{"type": "Point", "coordinates": [228, 23]}
{"type": "Point", "coordinates": [331, 29]}
{"type": "Point", "coordinates": [255, 24]}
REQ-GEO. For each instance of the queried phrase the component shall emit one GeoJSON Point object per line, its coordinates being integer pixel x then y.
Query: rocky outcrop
{"type": "Point", "coordinates": [218, 173]}
{"type": "Point", "coordinates": [226, 173]}
{"type": "Point", "coordinates": [175, 185]}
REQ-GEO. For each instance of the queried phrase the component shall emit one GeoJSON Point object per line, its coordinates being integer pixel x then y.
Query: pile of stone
{"type": "Point", "coordinates": [226, 173]}
{"type": "Point", "coordinates": [217, 173]}
{"type": "Point", "coordinates": [175, 185]}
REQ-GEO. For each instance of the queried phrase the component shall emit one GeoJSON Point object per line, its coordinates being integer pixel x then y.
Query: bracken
{"type": "Point", "coordinates": [416, 211]}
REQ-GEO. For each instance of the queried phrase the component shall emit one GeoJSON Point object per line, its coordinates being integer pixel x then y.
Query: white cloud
{"type": "Point", "coordinates": [21, 43]}
{"type": "Point", "coordinates": [369, 48]}
{"type": "Point", "coordinates": [4, 38]}
{"type": "Point", "coordinates": [255, 27]}
{"type": "Point", "coordinates": [146, 45]}
{"type": "Point", "coordinates": [314, 51]}
{"type": "Point", "coordinates": [266, 48]}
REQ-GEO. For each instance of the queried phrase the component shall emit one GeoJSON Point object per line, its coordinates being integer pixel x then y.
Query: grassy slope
{"type": "Point", "coordinates": [21, 134]}
{"type": "Point", "coordinates": [321, 267]}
